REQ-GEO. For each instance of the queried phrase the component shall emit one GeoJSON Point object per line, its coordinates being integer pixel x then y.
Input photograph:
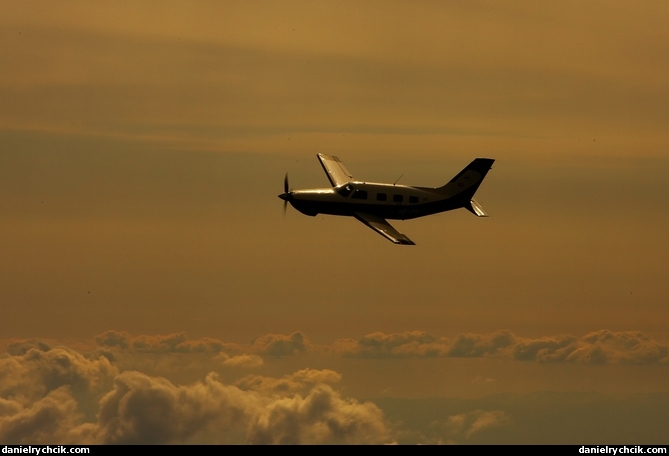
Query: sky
{"type": "Point", "coordinates": [154, 292]}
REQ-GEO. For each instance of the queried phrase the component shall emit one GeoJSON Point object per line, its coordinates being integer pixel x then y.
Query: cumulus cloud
{"type": "Point", "coordinates": [37, 372]}
{"type": "Point", "coordinates": [477, 345]}
{"type": "Point", "coordinates": [170, 343]}
{"type": "Point", "coordinates": [38, 386]}
{"type": "Point", "coordinates": [20, 347]}
{"type": "Point", "coordinates": [600, 347]}
{"type": "Point", "coordinates": [245, 361]}
{"type": "Point", "coordinates": [322, 416]}
{"type": "Point", "coordinates": [422, 344]}
{"type": "Point", "coordinates": [54, 418]}
{"type": "Point", "coordinates": [299, 381]}
{"type": "Point", "coordinates": [545, 349]}
{"type": "Point", "coordinates": [278, 345]}
{"type": "Point", "coordinates": [45, 395]}
{"type": "Point", "coordinates": [399, 345]}
{"type": "Point", "coordinates": [470, 423]}
{"type": "Point", "coordinates": [112, 343]}
{"type": "Point", "coordinates": [143, 409]}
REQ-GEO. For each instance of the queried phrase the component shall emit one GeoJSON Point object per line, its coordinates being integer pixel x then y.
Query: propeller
{"type": "Point", "coordinates": [285, 196]}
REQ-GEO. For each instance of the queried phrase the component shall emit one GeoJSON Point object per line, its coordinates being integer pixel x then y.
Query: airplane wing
{"type": "Point", "coordinates": [381, 226]}
{"type": "Point", "coordinates": [475, 208]}
{"type": "Point", "coordinates": [335, 170]}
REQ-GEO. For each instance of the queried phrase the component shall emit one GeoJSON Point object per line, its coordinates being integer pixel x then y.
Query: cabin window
{"type": "Point", "coordinates": [345, 190]}
{"type": "Point", "coordinates": [360, 194]}
{"type": "Point", "coordinates": [381, 197]}
{"type": "Point", "coordinates": [398, 198]}
{"type": "Point", "coordinates": [413, 199]}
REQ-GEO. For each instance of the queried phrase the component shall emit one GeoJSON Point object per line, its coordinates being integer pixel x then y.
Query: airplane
{"type": "Point", "coordinates": [373, 203]}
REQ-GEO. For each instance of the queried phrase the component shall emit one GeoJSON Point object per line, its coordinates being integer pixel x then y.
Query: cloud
{"type": "Point", "coordinates": [60, 396]}
{"type": "Point", "coordinates": [399, 345]}
{"type": "Point", "coordinates": [42, 388]}
{"type": "Point", "coordinates": [299, 381]}
{"type": "Point", "coordinates": [600, 347]}
{"type": "Point", "coordinates": [278, 345]}
{"type": "Point", "coordinates": [38, 372]}
{"type": "Point", "coordinates": [470, 423]}
{"type": "Point", "coordinates": [20, 347]}
{"type": "Point", "coordinates": [245, 361]}
{"type": "Point", "coordinates": [477, 345]}
{"type": "Point", "coordinates": [171, 343]}
{"type": "Point", "coordinates": [322, 416]}
{"type": "Point", "coordinates": [275, 345]}
{"type": "Point", "coordinates": [545, 349]}
{"type": "Point", "coordinates": [54, 418]}
{"type": "Point", "coordinates": [423, 345]}
{"type": "Point", "coordinates": [143, 409]}
{"type": "Point", "coordinates": [51, 393]}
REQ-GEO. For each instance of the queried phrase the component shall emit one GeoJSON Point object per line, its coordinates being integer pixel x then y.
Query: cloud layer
{"type": "Point", "coordinates": [171, 343]}
{"type": "Point", "coordinates": [599, 347]}
{"type": "Point", "coordinates": [51, 393]}
{"type": "Point", "coordinates": [46, 391]}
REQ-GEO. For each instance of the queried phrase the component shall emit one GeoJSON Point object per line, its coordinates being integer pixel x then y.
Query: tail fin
{"type": "Point", "coordinates": [463, 186]}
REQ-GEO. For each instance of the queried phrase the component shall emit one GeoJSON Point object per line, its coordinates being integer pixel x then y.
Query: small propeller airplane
{"type": "Point", "coordinates": [373, 203]}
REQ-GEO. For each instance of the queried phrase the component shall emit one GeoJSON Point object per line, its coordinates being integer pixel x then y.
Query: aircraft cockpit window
{"type": "Point", "coordinates": [360, 194]}
{"type": "Point", "coordinates": [345, 190]}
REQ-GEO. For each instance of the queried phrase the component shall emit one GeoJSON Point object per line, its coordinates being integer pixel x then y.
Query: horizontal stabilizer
{"type": "Point", "coordinates": [475, 208]}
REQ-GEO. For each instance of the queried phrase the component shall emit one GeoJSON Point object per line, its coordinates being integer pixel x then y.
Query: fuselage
{"type": "Point", "coordinates": [396, 202]}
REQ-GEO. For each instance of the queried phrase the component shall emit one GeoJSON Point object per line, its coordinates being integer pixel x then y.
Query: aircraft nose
{"type": "Point", "coordinates": [285, 196]}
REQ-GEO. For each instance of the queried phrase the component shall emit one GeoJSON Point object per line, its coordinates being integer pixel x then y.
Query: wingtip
{"type": "Point", "coordinates": [405, 241]}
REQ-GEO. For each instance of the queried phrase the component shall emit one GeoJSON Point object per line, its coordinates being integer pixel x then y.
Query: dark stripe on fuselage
{"type": "Point", "coordinates": [387, 211]}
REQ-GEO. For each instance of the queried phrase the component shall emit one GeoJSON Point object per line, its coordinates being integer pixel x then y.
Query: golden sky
{"type": "Point", "coordinates": [144, 144]}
